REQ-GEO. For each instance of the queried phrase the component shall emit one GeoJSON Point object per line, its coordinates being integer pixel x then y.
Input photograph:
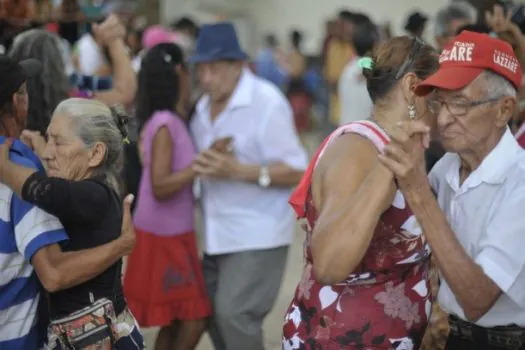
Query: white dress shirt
{"type": "Point", "coordinates": [355, 99]}
{"type": "Point", "coordinates": [487, 214]}
{"type": "Point", "coordinates": [241, 216]}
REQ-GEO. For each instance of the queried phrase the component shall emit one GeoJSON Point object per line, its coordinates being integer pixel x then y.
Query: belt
{"type": "Point", "coordinates": [511, 337]}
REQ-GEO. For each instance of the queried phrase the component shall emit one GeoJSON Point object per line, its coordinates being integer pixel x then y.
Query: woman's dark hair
{"type": "Point", "coordinates": [393, 59]}
{"type": "Point", "coordinates": [158, 82]}
{"type": "Point", "coordinates": [365, 37]}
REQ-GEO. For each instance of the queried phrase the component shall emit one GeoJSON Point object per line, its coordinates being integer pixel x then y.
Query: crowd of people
{"type": "Point", "coordinates": [410, 206]}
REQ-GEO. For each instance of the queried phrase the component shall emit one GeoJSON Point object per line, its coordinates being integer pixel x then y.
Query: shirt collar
{"type": "Point", "coordinates": [241, 96]}
{"type": "Point", "coordinates": [493, 169]}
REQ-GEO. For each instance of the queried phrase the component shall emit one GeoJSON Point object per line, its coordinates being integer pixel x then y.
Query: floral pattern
{"type": "Point", "coordinates": [384, 304]}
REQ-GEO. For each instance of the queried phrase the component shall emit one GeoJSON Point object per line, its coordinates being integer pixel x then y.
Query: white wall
{"type": "Point", "coordinates": [260, 17]}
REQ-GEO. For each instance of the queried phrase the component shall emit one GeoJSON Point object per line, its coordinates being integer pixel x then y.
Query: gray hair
{"type": "Point", "coordinates": [460, 10]}
{"type": "Point", "coordinates": [497, 86]}
{"type": "Point", "coordinates": [52, 86]}
{"type": "Point", "coordinates": [96, 122]}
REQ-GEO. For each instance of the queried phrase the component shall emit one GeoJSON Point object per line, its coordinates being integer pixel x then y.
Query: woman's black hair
{"type": "Point", "coordinates": [158, 81]}
{"type": "Point", "coordinates": [366, 36]}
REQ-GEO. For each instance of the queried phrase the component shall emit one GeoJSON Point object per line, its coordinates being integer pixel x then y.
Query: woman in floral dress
{"type": "Point", "coordinates": [365, 282]}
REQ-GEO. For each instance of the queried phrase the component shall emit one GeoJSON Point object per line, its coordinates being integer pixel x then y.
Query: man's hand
{"type": "Point", "coordinates": [109, 31]}
{"type": "Point", "coordinates": [213, 164]}
{"type": "Point", "coordinates": [128, 236]}
{"type": "Point", "coordinates": [34, 140]}
{"type": "Point", "coordinates": [404, 155]}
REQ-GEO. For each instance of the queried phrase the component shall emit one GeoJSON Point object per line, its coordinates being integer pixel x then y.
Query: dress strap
{"type": "Point", "coordinates": [365, 128]}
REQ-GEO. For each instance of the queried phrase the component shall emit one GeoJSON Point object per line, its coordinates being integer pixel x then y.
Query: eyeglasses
{"type": "Point", "coordinates": [457, 108]}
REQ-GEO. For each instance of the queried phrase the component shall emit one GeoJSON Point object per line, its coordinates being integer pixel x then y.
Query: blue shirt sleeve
{"type": "Point", "coordinates": [33, 227]}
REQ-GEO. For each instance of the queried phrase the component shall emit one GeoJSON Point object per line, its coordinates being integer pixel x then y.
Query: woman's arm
{"type": "Point", "coordinates": [166, 183]}
{"type": "Point", "coordinates": [124, 80]}
{"type": "Point", "coordinates": [85, 200]}
{"type": "Point", "coordinates": [351, 190]}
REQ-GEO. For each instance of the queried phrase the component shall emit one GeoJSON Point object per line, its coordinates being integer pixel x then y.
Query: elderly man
{"type": "Point", "coordinates": [250, 158]}
{"type": "Point", "coordinates": [475, 227]}
{"type": "Point", "coordinates": [447, 23]}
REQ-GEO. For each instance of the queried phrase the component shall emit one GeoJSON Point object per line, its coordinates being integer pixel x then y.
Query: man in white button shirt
{"type": "Point", "coordinates": [250, 159]}
{"type": "Point", "coordinates": [476, 227]}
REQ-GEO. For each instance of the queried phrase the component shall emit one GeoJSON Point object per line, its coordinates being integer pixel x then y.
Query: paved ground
{"type": "Point", "coordinates": [274, 321]}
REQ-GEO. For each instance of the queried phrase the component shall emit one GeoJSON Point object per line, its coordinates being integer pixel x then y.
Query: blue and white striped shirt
{"type": "Point", "coordinates": [24, 229]}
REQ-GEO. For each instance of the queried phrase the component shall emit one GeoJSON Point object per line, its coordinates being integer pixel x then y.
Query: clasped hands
{"type": "Point", "coordinates": [404, 154]}
{"type": "Point", "coordinates": [215, 164]}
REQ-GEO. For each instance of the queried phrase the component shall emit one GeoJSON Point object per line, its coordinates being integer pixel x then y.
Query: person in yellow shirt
{"type": "Point", "coordinates": [339, 52]}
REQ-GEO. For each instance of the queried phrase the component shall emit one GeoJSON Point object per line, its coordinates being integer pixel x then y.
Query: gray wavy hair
{"type": "Point", "coordinates": [95, 122]}
{"type": "Point", "coordinates": [52, 86]}
{"type": "Point", "coordinates": [459, 10]}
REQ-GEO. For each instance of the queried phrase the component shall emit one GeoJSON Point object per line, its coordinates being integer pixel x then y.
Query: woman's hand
{"type": "Point", "coordinates": [109, 31]}
{"type": "Point", "coordinates": [405, 155]}
{"type": "Point", "coordinates": [34, 140]}
{"type": "Point", "coordinates": [128, 235]}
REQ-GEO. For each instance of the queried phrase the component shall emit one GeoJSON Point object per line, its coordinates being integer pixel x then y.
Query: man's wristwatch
{"type": "Point", "coordinates": [264, 177]}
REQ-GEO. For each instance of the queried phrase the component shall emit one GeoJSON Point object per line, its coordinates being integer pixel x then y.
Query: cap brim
{"type": "Point", "coordinates": [450, 78]}
{"type": "Point", "coordinates": [31, 67]}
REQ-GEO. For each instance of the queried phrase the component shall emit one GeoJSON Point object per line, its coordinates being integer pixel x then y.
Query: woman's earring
{"type": "Point", "coordinates": [412, 111]}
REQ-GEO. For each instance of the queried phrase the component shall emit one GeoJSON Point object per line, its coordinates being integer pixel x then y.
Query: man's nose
{"type": "Point", "coordinates": [444, 117]}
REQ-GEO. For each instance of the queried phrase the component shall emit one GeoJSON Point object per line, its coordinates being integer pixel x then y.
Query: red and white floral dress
{"type": "Point", "coordinates": [386, 302]}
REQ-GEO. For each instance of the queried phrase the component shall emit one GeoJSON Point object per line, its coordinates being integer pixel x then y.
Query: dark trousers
{"type": "Point", "coordinates": [468, 336]}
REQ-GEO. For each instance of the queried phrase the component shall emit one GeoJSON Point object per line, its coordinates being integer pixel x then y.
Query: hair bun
{"type": "Point", "coordinates": [120, 117]}
{"type": "Point", "coordinates": [368, 73]}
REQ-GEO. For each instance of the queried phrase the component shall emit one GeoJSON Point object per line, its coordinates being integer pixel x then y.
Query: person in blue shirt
{"type": "Point", "coordinates": [30, 254]}
{"type": "Point", "coordinates": [267, 66]}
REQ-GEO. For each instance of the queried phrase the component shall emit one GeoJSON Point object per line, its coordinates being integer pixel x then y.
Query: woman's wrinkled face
{"type": "Point", "coordinates": [66, 156]}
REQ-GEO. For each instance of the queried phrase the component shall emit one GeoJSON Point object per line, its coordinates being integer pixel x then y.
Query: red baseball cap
{"type": "Point", "coordinates": [466, 57]}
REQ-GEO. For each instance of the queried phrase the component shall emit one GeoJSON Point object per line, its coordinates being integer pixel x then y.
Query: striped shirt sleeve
{"type": "Point", "coordinates": [33, 227]}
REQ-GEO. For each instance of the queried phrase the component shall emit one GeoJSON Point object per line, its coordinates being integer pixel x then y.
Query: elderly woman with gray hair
{"type": "Point", "coordinates": [52, 86]}
{"type": "Point", "coordinates": [82, 155]}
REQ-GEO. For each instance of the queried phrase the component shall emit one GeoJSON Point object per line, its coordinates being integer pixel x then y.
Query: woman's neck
{"type": "Point", "coordinates": [387, 118]}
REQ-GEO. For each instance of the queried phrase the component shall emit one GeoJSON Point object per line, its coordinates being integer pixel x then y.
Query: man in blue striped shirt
{"type": "Point", "coordinates": [29, 237]}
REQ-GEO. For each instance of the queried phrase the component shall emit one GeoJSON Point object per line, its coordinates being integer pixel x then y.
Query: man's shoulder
{"type": "Point", "coordinates": [266, 90]}
{"type": "Point", "coordinates": [22, 155]}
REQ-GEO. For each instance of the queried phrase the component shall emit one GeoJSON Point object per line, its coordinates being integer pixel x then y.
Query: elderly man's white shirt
{"type": "Point", "coordinates": [240, 216]}
{"type": "Point", "coordinates": [487, 213]}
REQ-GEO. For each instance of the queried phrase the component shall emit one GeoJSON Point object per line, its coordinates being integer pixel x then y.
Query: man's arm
{"type": "Point", "coordinates": [37, 235]}
{"type": "Point", "coordinates": [59, 270]}
{"type": "Point", "coordinates": [281, 149]}
{"type": "Point", "coordinates": [475, 291]}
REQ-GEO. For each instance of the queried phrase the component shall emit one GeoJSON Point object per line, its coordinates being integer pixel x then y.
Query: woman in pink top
{"type": "Point", "coordinates": [163, 284]}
